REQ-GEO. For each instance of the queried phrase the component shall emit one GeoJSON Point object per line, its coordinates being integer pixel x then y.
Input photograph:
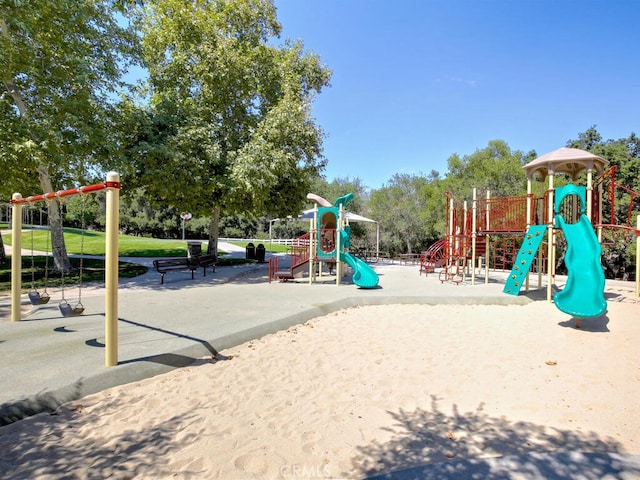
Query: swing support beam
{"type": "Point", "coordinates": [112, 188]}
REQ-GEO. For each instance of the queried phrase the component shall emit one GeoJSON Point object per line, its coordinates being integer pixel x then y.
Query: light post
{"type": "Point", "coordinates": [185, 217]}
{"type": "Point", "coordinates": [271, 222]}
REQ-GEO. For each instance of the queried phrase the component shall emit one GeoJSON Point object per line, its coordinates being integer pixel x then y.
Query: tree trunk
{"type": "Point", "coordinates": [3, 257]}
{"type": "Point", "coordinates": [60, 257]}
{"type": "Point", "coordinates": [214, 231]}
{"type": "Point", "coordinates": [408, 243]}
{"type": "Point", "coordinates": [58, 247]}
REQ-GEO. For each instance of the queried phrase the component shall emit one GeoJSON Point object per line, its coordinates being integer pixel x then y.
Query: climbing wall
{"type": "Point", "coordinates": [526, 254]}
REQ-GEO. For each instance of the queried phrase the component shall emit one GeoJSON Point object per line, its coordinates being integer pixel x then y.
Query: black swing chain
{"type": "Point", "coordinates": [63, 300]}
{"type": "Point", "coordinates": [46, 258]}
{"type": "Point", "coordinates": [33, 263]}
{"type": "Point", "coordinates": [62, 275]}
{"type": "Point", "coordinates": [83, 223]}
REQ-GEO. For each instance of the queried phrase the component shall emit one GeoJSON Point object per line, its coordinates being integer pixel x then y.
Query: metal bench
{"type": "Point", "coordinates": [164, 266]}
{"type": "Point", "coordinates": [205, 261]}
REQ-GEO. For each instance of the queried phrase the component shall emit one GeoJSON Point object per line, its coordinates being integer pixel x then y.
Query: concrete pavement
{"type": "Point", "coordinates": [48, 359]}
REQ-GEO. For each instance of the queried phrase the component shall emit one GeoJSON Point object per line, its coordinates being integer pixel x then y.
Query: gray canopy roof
{"type": "Point", "coordinates": [352, 217]}
{"type": "Point", "coordinates": [571, 161]}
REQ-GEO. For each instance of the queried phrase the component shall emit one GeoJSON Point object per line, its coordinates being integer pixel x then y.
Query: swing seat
{"type": "Point", "coordinates": [38, 299]}
{"type": "Point", "coordinates": [67, 311]}
{"type": "Point", "coordinates": [78, 309]}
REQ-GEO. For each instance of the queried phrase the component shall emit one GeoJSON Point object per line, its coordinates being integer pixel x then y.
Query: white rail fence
{"type": "Point", "coordinates": [256, 241]}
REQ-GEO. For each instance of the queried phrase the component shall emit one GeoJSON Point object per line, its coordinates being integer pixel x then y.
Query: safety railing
{"type": "Point", "coordinates": [502, 215]}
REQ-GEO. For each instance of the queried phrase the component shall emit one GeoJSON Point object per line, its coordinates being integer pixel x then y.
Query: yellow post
{"type": "Point", "coordinates": [16, 258]}
{"type": "Point", "coordinates": [550, 249]}
{"type": "Point", "coordinates": [463, 240]}
{"type": "Point", "coordinates": [486, 259]}
{"type": "Point", "coordinates": [528, 223]}
{"type": "Point", "coordinates": [590, 192]}
{"type": "Point", "coordinates": [474, 210]}
{"type": "Point", "coordinates": [313, 238]}
{"type": "Point", "coordinates": [338, 246]}
{"type": "Point", "coordinates": [600, 221]}
{"type": "Point", "coordinates": [487, 219]}
{"type": "Point", "coordinates": [540, 263]}
{"type": "Point", "coordinates": [111, 270]}
{"type": "Point", "coordinates": [638, 259]}
{"type": "Point", "coordinates": [529, 202]}
{"type": "Point", "coordinates": [451, 230]}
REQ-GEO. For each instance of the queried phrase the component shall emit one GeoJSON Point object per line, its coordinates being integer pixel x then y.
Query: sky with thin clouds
{"type": "Point", "coordinates": [415, 81]}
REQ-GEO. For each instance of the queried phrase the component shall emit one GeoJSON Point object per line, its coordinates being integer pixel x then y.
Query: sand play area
{"type": "Point", "coordinates": [358, 393]}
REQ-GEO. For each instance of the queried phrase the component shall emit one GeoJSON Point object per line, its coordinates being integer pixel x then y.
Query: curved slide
{"type": "Point", "coordinates": [363, 275]}
{"type": "Point", "coordinates": [583, 295]}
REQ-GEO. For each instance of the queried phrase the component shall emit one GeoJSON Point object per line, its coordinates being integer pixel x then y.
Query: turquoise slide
{"type": "Point", "coordinates": [363, 275]}
{"type": "Point", "coordinates": [583, 295]}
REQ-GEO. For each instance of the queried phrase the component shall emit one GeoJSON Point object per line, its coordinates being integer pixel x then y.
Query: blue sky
{"type": "Point", "coordinates": [415, 81]}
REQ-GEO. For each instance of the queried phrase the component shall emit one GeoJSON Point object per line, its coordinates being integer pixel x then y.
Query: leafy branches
{"type": "Point", "coordinates": [241, 137]}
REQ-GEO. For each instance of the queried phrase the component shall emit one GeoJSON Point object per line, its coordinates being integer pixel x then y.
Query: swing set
{"type": "Point", "coordinates": [112, 188]}
{"type": "Point", "coordinates": [37, 298]}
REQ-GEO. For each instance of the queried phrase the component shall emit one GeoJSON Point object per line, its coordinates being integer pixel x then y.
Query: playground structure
{"type": "Point", "coordinates": [520, 233]}
{"type": "Point", "coordinates": [112, 188]}
{"type": "Point", "coordinates": [327, 242]}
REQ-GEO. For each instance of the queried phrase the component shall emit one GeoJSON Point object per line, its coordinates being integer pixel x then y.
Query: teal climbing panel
{"type": "Point", "coordinates": [526, 254]}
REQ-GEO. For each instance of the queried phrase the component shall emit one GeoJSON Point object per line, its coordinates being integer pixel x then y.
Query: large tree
{"type": "Point", "coordinates": [229, 127]}
{"type": "Point", "coordinates": [398, 206]}
{"type": "Point", "coordinates": [623, 153]}
{"type": "Point", "coordinates": [412, 208]}
{"type": "Point", "coordinates": [61, 63]}
{"type": "Point", "coordinates": [496, 168]}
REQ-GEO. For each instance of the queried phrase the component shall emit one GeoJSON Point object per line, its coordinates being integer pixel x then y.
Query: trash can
{"type": "Point", "coordinates": [260, 251]}
{"type": "Point", "coordinates": [194, 249]}
{"type": "Point", "coordinates": [250, 253]}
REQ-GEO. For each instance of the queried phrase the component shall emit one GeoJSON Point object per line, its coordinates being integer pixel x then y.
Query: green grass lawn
{"type": "Point", "coordinates": [93, 243]}
{"type": "Point", "coordinates": [275, 247]}
{"type": "Point", "coordinates": [38, 276]}
{"type": "Point", "coordinates": [128, 245]}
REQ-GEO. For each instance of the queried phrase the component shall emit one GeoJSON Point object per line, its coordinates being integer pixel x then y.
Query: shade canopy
{"type": "Point", "coordinates": [352, 217]}
{"type": "Point", "coordinates": [571, 161]}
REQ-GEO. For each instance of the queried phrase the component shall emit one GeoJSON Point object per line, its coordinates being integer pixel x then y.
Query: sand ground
{"type": "Point", "coordinates": [356, 393]}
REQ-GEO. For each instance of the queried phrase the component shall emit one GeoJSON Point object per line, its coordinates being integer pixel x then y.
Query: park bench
{"type": "Point", "coordinates": [206, 260]}
{"type": "Point", "coordinates": [164, 266]}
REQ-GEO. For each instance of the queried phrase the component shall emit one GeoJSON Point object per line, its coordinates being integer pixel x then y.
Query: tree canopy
{"type": "Point", "coordinates": [60, 65]}
{"type": "Point", "coordinates": [399, 206]}
{"type": "Point", "coordinates": [229, 126]}
{"type": "Point", "coordinates": [496, 168]}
